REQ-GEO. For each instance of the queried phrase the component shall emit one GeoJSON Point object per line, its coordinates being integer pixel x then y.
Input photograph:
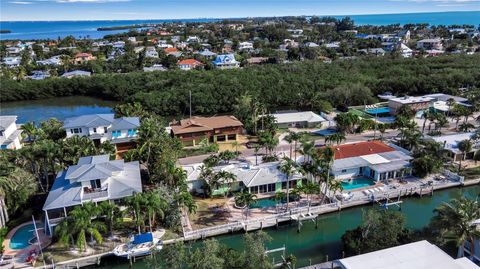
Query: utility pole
{"type": "Point", "coordinates": [190, 93]}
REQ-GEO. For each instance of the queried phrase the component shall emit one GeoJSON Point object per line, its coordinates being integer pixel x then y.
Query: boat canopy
{"type": "Point", "coordinates": [143, 238]}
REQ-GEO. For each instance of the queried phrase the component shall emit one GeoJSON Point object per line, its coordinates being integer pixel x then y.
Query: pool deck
{"type": "Point", "coordinates": [20, 255]}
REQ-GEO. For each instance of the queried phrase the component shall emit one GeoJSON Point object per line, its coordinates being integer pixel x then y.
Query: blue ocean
{"type": "Point", "coordinates": [53, 29]}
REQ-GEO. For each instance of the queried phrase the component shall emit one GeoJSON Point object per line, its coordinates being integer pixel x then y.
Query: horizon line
{"type": "Point", "coordinates": [242, 18]}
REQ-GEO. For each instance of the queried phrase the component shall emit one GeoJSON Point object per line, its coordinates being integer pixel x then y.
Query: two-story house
{"type": "Point", "coordinates": [104, 127]}
{"type": "Point", "coordinates": [9, 133]}
{"type": "Point", "coordinates": [430, 44]}
{"type": "Point", "coordinates": [226, 61]}
{"type": "Point", "coordinates": [83, 57]}
{"type": "Point", "coordinates": [189, 64]}
{"type": "Point", "coordinates": [92, 179]}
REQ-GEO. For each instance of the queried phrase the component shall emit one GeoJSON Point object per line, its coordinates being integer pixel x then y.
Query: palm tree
{"type": "Point", "coordinates": [256, 149]}
{"type": "Point", "coordinates": [296, 137]}
{"type": "Point", "coordinates": [465, 147]}
{"type": "Point", "coordinates": [309, 188]}
{"type": "Point", "coordinates": [328, 155]}
{"type": "Point", "coordinates": [279, 197]}
{"type": "Point", "coordinates": [465, 127]}
{"type": "Point", "coordinates": [289, 139]}
{"type": "Point", "coordinates": [111, 212]}
{"type": "Point", "coordinates": [245, 199]}
{"type": "Point", "coordinates": [79, 224]}
{"type": "Point", "coordinates": [30, 130]}
{"type": "Point", "coordinates": [135, 204]}
{"type": "Point", "coordinates": [338, 137]}
{"type": "Point", "coordinates": [450, 103]}
{"type": "Point", "coordinates": [236, 144]}
{"type": "Point", "coordinates": [307, 150]}
{"type": "Point", "coordinates": [454, 221]}
{"type": "Point", "coordinates": [154, 205]}
{"type": "Point", "coordinates": [288, 168]}
{"type": "Point", "coordinates": [224, 178]}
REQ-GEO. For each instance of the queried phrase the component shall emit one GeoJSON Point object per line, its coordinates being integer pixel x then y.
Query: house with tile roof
{"type": "Point", "coordinates": [173, 51]}
{"type": "Point", "coordinates": [371, 159]}
{"type": "Point", "coordinates": [104, 127]}
{"type": "Point", "coordinates": [92, 179]}
{"type": "Point", "coordinates": [189, 64]}
{"type": "Point", "coordinates": [9, 133]}
{"type": "Point", "coordinates": [211, 129]}
{"type": "Point", "coordinates": [83, 57]}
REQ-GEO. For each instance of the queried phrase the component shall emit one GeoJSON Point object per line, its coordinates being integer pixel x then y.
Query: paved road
{"type": "Point", "coordinates": [390, 134]}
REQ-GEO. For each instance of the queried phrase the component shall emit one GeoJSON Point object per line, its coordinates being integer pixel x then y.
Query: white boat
{"type": "Point", "coordinates": [140, 245]}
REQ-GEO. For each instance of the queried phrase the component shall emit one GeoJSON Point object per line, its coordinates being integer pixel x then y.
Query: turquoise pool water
{"type": "Point", "coordinates": [22, 236]}
{"type": "Point", "coordinates": [264, 203]}
{"type": "Point", "coordinates": [378, 110]}
{"type": "Point", "coordinates": [356, 183]}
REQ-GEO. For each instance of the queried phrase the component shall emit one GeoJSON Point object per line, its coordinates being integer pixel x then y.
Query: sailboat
{"type": "Point", "coordinates": [140, 245]}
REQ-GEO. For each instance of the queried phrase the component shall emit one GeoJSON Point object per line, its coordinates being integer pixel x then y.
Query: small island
{"type": "Point", "coordinates": [5, 31]}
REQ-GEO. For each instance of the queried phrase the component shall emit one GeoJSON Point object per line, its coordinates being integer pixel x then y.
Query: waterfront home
{"type": "Point", "coordinates": [9, 133]}
{"type": "Point", "coordinates": [466, 247]}
{"type": "Point", "coordinates": [415, 103]}
{"type": "Point", "coordinates": [417, 255]}
{"type": "Point", "coordinates": [303, 119]}
{"type": "Point", "coordinates": [215, 129]}
{"type": "Point", "coordinates": [262, 178]}
{"type": "Point", "coordinates": [104, 127]}
{"type": "Point", "coordinates": [189, 64]}
{"type": "Point", "coordinates": [371, 159]}
{"type": "Point", "coordinates": [76, 73]}
{"type": "Point", "coordinates": [226, 61]}
{"type": "Point", "coordinates": [440, 101]}
{"type": "Point", "coordinates": [450, 144]}
{"type": "Point", "coordinates": [83, 57]}
{"type": "Point", "coordinates": [92, 179]}
{"type": "Point", "coordinates": [430, 44]}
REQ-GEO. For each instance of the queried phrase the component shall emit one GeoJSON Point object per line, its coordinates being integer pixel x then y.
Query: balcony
{"type": "Point", "coordinates": [94, 194]}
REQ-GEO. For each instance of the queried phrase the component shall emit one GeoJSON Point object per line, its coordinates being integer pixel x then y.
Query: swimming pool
{"type": "Point", "coordinates": [264, 203]}
{"type": "Point", "coordinates": [378, 110]}
{"type": "Point", "coordinates": [356, 183]}
{"type": "Point", "coordinates": [22, 237]}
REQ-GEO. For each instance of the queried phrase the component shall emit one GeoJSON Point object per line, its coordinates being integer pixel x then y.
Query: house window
{"type": "Point", "coordinates": [96, 184]}
{"type": "Point", "coordinates": [344, 170]}
{"type": "Point", "coordinates": [95, 130]}
{"type": "Point", "coordinates": [77, 130]}
{"type": "Point", "coordinates": [71, 131]}
{"type": "Point", "coordinates": [1, 133]}
{"type": "Point", "coordinates": [105, 129]}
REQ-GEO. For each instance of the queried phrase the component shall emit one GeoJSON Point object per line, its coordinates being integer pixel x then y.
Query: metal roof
{"type": "Point", "coordinates": [304, 116]}
{"type": "Point", "coordinates": [92, 120]}
{"type": "Point", "coordinates": [418, 255]}
{"type": "Point", "coordinates": [6, 121]}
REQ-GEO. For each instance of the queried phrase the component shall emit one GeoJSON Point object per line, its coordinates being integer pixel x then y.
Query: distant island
{"type": "Point", "coordinates": [112, 28]}
{"type": "Point", "coordinates": [5, 31]}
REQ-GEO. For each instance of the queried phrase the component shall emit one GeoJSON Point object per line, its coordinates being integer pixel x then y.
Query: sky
{"type": "Point", "coordinates": [34, 10]}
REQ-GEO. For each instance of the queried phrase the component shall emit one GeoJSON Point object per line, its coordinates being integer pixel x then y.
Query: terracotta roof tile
{"type": "Point", "coordinates": [199, 124]}
{"type": "Point", "coordinates": [360, 149]}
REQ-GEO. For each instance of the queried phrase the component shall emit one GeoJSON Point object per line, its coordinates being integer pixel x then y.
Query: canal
{"type": "Point", "coordinates": [312, 245]}
{"type": "Point", "coordinates": [59, 107]}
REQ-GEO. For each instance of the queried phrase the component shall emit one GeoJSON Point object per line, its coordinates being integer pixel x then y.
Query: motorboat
{"type": "Point", "coordinates": [140, 245]}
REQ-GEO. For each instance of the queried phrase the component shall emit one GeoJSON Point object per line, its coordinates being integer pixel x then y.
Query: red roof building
{"type": "Point", "coordinates": [360, 149]}
{"type": "Point", "coordinates": [188, 64]}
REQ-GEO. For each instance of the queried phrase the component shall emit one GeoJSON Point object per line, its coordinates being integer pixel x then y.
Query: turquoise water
{"type": "Point", "coordinates": [264, 203]}
{"type": "Point", "coordinates": [22, 237]}
{"type": "Point", "coordinates": [312, 245]}
{"type": "Point", "coordinates": [379, 110]}
{"type": "Point", "coordinates": [54, 29]}
{"type": "Point", "coordinates": [356, 183]}
{"type": "Point", "coordinates": [59, 108]}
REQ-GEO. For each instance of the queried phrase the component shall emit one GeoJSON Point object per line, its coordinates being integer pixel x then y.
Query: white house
{"type": "Point", "coordinates": [104, 127]}
{"type": "Point", "coordinates": [54, 60]}
{"type": "Point", "coordinates": [298, 119]}
{"type": "Point", "coordinates": [12, 61]}
{"type": "Point", "coordinates": [430, 44]}
{"type": "Point", "coordinates": [226, 61]}
{"type": "Point", "coordinates": [450, 143]}
{"type": "Point", "coordinates": [150, 52]}
{"type": "Point", "coordinates": [76, 73]}
{"type": "Point", "coordinates": [371, 159]}
{"type": "Point", "coordinates": [92, 179]}
{"type": "Point", "coordinates": [405, 51]}
{"type": "Point", "coordinates": [417, 255]}
{"type": "Point", "coordinates": [9, 133]}
{"type": "Point", "coordinates": [248, 46]}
